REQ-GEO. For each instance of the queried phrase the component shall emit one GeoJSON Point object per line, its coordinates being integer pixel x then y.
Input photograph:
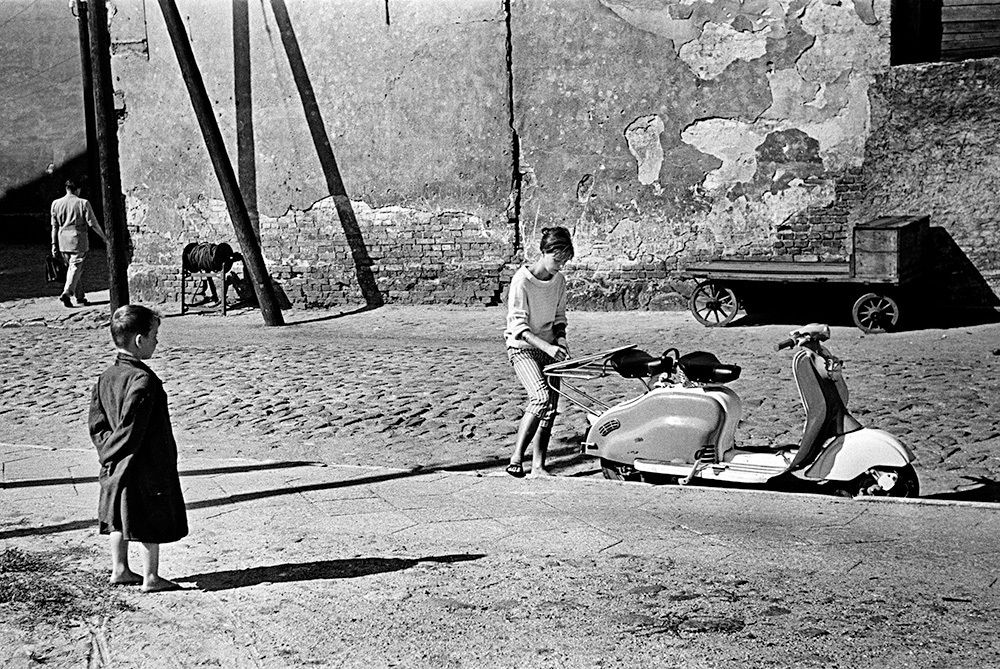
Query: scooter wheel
{"type": "Point", "coordinates": [619, 471]}
{"type": "Point", "coordinates": [873, 483]}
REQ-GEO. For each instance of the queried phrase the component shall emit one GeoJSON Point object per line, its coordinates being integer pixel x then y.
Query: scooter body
{"type": "Point", "coordinates": [684, 427]}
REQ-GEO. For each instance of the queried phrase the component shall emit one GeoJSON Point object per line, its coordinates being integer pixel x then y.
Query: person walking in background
{"type": "Point", "coordinates": [72, 216]}
{"type": "Point", "coordinates": [536, 336]}
{"type": "Point", "coordinates": [141, 498]}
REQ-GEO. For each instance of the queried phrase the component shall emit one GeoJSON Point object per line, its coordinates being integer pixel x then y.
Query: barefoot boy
{"type": "Point", "coordinates": [141, 496]}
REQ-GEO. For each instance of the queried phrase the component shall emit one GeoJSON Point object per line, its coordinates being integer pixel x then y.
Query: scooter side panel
{"type": "Point", "coordinates": [666, 424]}
{"type": "Point", "coordinates": [846, 457]}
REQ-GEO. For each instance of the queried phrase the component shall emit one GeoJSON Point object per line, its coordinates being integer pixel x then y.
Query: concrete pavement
{"type": "Point", "coordinates": [283, 545]}
{"type": "Point", "coordinates": [348, 508]}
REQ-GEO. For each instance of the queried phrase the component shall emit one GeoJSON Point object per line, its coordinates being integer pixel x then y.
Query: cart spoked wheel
{"type": "Point", "coordinates": [875, 313]}
{"type": "Point", "coordinates": [713, 304]}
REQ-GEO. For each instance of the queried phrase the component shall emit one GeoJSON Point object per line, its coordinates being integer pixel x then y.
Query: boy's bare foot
{"type": "Point", "coordinates": [539, 472]}
{"type": "Point", "coordinates": [158, 584]}
{"type": "Point", "coordinates": [125, 578]}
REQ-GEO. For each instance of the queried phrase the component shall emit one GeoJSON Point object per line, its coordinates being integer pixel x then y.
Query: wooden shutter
{"type": "Point", "coordinates": [970, 29]}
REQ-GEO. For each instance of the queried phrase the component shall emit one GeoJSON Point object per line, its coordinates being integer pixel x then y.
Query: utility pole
{"type": "Point", "coordinates": [93, 160]}
{"type": "Point", "coordinates": [254, 261]}
{"type": "Point", "coordinates": [106, 124]}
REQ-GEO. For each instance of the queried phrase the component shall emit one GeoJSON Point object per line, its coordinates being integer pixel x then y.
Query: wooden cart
{"type": "Point", "coordinates": [887, 262]}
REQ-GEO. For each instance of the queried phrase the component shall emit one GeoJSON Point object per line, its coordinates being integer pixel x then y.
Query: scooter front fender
{"type": "Point", "coordinates": [847, 456]}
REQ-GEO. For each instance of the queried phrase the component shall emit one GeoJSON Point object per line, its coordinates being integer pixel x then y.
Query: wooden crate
{"type": "Point", "coordinates": [890, 249]}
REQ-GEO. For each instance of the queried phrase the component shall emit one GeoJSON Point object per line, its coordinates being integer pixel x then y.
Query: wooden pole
{"type": "Point", "coordinates": [254, 261]}
{"type": "Point", "coordinates": [93, 160]}
{"type": "Point", "coordinates": [106, 124]}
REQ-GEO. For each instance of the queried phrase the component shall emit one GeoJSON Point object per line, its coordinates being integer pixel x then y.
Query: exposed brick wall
{"type": "Point", "coordinates": [822, 233]}
{"type": "Point", "coordinates": [935, 151]}
{"type": "Point", "coordinates": [416, 257]}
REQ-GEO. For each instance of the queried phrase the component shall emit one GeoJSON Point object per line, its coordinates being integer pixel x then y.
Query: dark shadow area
{"type": "Point", "coordinates": [48, 529]}
{"type": "Point", "coordinates": [952, 279]}
{"type": "Point", "coordinates": [264, 494]}
{"type": "Point", "coordinates": [324, 150]}
{"type": "Point", "coordinates": [987, 491]}
{"type": "Point", "coordinates": [920, 307]}
{"type": "Point", "coordinates": [312, 571]}
{"type": "Point", "coordinates": [331, 317]}
{"type": "Point", "coordinates": [212, 471]}
{"type": "Point", "coordinates": [22, 270]}
{"type": "Point", "coordinates": [915, 27]}
{"type": "Point", "coordinates": [24, 210]}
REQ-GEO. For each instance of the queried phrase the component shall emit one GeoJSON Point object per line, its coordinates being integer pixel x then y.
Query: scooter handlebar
{"type": "Point", "coordinates": [785, 343]}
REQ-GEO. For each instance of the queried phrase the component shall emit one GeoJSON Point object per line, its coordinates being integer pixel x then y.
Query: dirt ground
{"type": "Point", "coordinates": [426, 389]}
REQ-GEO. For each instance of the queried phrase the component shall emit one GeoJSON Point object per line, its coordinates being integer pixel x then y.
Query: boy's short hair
{"type": "Point", "coordinates": [131, 320]}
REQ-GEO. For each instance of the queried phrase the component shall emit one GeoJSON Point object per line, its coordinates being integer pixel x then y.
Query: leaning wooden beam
{"type": "Point", "coordinates": [106, 122]}
{"type": "Point", "coordinates": [223, 167]}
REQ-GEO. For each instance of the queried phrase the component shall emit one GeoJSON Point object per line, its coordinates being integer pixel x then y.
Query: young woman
{"type": "Point", "coordinates": [536, 337]}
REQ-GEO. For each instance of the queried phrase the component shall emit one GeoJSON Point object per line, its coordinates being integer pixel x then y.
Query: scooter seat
{"type": "Point", "coordinates": [704, 367]}
{"type": "Point", "coordinates": [636, 364]}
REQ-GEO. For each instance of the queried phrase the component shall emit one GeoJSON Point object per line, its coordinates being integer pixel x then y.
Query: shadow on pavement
{"type": "Point", "coordinates": [343, 314]}
{"type": "Point", "coordinates": [313, 571]}
{"type": "Point", "coordinates": [73, 480]}
{"type": "Point", "coordinates": [987, 491]}
{"type": "Point", "coordinates": [944, 318]}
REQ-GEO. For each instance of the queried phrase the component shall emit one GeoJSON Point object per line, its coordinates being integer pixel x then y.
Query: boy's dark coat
{"type": "Point", "coordinates": [130, 425]}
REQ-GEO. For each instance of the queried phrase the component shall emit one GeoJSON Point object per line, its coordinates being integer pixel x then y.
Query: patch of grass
{"type": "Point", "coordinates": [44, 587]}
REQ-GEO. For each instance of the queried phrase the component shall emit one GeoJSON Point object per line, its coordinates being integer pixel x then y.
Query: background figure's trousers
{"type": "Point", "coordinates": [74, 274]}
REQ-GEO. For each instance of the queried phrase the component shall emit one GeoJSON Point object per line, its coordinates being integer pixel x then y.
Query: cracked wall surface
{"type": "Point", "coordinates": [415, 112]}
{"type": "Point", "coordinates": [754, 112]}
{"type": "Point", "coordinates": [659, 131]}
{"type": "Point", "coordinates": [935, 150]}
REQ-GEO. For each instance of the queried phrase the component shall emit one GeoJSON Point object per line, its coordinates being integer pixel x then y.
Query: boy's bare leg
{"type": "Point", "coordinates": [121, 574]}
{"type": "Point", "coordinates": [151, 580]}
{"type": "Point", "coordinates": [525, 431]}
{"type": "Point", "coordinates": [541, 447]}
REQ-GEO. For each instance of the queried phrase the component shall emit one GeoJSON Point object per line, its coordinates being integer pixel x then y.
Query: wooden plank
{"type": "Point", "coordinates": [876, 266]}
{"type": "Point", "coordinates": [776, 271]}
{"type": "Point", "coordinates": [958, 45]}
{"type": "Point", "coordinates": [970, 13]}
{"type": "Point", "coordinates": [964, 54]}
{"type": "Point", "coordinates": [969, 37]}
{"type": "Point", "coordinates": [953, 3]}
{"type": "Point", "coordinates": [970, 27]}
{"type": "Point", "coordinates": [768, 266]}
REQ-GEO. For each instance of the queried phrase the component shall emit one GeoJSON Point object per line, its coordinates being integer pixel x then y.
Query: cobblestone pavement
{"type": "Point", "coordinates": [430, 387]}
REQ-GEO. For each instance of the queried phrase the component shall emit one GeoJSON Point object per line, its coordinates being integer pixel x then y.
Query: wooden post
{"type": "Point", "coordinates": [93, 160]}
{"type": "Point", "coordinates": [223, 167]}
{"type": "Point", "coordinates": [106, 124]}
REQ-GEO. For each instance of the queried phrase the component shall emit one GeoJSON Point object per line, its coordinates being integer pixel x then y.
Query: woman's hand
{"type": "Point", "coordinates": [560, 350]}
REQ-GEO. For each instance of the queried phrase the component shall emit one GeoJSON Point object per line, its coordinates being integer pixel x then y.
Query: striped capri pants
{"type": "Point", "coordinates": [542, 400]}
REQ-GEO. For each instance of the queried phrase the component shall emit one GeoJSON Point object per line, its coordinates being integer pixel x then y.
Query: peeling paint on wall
{"type": "Point", "coordinates": [643, 135]}
{"type": "Point", "coordinates": [733, 142]}
{"type": "Point", "coordinates": [719, 45]}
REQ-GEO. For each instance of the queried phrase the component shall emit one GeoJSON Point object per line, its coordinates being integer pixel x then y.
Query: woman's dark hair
{"type": "Point", "coordinates": [131, 320]}
{"type": "Point", "coordinates": [556, 240]}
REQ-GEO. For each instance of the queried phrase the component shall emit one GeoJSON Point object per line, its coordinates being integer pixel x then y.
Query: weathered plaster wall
{"type": "Point", "coordinates": [658, 131]}
{"type": "Point", "coordinates": [41, 109]}
{"type": "Point", "coordinates": [935, 149]}
{"type": "Point", "coordinates": [415, 111]}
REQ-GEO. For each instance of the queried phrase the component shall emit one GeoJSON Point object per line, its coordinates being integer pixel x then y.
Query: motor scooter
{"type": "Point", "coordinates": [683, 426]}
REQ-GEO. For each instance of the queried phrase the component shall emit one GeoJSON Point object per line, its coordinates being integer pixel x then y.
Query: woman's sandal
{"type": "Point", "coordinates": [517, 471]}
